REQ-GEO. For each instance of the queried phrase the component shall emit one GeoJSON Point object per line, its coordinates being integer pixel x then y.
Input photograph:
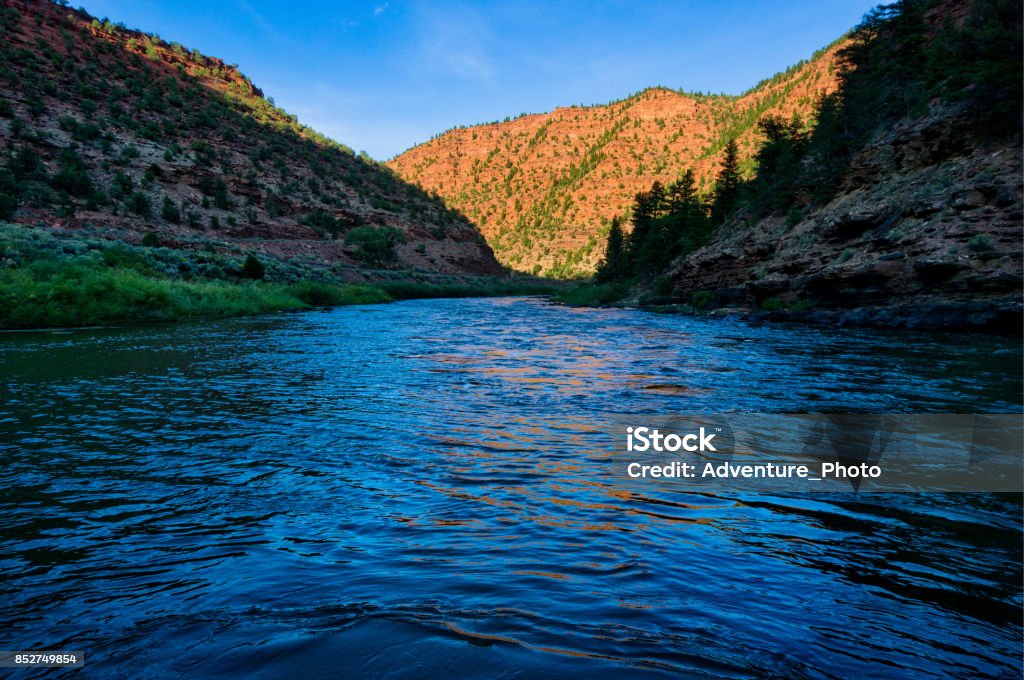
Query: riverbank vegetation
{"type": "Point", "coordinates": [48, 280]}
{"type": "Point", "coordinates": [411, 288]}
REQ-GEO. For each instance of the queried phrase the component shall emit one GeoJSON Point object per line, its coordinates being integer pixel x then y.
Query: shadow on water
{"type": "Point", "coordinates": [426, 487]}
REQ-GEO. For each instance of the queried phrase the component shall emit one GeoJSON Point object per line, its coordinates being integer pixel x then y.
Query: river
{"type": "Point", "coordinates": [418, 488]}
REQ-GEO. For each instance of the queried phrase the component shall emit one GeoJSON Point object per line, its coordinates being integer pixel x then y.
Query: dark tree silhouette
{"type": "Point", "coordinates": [898, 65]}
{"type": "Point", "coordinates": [727, 184]}
{"type": "Point", "coordinates": [666, 223]}
{"type": "Point", "coordinates": [647, 208]}
{"type": "Point", "coordinates": [775, 184]}
{"type": "Point", "coordinates": [613, 265]}
{"type": "Point", "coordinates": [681, 196]}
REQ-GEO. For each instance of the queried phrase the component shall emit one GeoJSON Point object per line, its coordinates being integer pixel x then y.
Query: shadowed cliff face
{"type": "Point", "coordinates": [926, 231]}
{"type": "Point", "coordinates": [118, 133]}
{"type": "Point", "coordinates": [543, 188]}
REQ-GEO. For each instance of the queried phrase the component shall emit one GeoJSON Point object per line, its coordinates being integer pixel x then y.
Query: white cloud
{"type": "Point", "coordinates": [377, 11]}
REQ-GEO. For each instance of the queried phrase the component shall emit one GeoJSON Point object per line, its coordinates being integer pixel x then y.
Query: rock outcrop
{"type": "Point", "coordinates": [925, 232]}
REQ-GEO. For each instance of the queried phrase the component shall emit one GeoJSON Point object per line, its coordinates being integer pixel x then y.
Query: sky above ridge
{"type": "Point", "coordinates": [384, 75]}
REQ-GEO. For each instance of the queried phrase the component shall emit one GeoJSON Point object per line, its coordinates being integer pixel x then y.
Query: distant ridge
{"type": "Point", "coordinates": [542, 188]}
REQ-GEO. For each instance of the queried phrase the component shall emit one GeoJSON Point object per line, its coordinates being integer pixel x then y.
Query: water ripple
{"type": "Point", "coordinates": [425, 488]}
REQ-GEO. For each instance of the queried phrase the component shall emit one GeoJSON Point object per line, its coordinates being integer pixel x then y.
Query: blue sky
{"type": "Point", "coordinates": [384, 75]}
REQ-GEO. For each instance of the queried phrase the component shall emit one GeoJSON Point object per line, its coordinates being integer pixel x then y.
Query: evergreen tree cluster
{"type": "Point", "coordinates": [897, 64]}
{"type": "Point", "coordinates": [667, 222]}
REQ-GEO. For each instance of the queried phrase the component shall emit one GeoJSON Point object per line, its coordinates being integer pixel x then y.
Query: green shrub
{"type": "Point", "coordinates": [169, 211]}
{"type": "Point", "coordinates": [593, 295]}
{"type": "Point", "coordinates": [80, 131]}
{"type": "Point", "coordinates": [981, 243]}
{"type": "Point", "coordinates": [150, 240]}
{"type": "Point", "coordinates": [63, 282]}
{"type": "Point", "coordinates": [36, 107]}
{"type": "Point", "coordinates": [484, 287]}
{"type": "Point", "coordinates": [322, 222]}
{"type": "Point", "coordinates": [9, 192]}
{"type": "Point", "coordinates": [8, 204]}
{"type": "Point", "coordinates": [702, 298]}
{"type": "Point", "coordinates": [96, 200]}
{"type": "Point", "coordinates": [25, 164]}
{"type": "Point", "coordinates": [138, 203]}
{"type": "Point", "coordinates": [216, 188]}
{"type": "Point", "coordinates": [72, 176]}
{"type": "Point", "coordinates": [123, 256]}
{"type": "Point", "coordinates": [326, 295]}
{"type": "Point", "coordinates": [375, 245]}
{"type": "Point", "coordinates": [121, 185]}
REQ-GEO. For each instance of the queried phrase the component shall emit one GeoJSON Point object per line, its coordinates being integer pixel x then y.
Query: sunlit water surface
{"type": "Point", "coordinates": [423, 488]}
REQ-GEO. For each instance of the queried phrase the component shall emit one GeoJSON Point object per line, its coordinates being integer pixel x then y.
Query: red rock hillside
{"type": "Point", "coordinates": [543, 188]}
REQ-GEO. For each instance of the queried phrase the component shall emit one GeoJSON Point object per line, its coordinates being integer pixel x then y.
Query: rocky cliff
{"type": "Point", "coordinates": [926, 231]}
{"type": "Point", "coordinates": [925, 226]}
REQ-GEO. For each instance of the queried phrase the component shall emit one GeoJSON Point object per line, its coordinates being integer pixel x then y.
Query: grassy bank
{"type": "Point", "coordinates": [410, 289]}
{"type": "Point", "coordinates": [593, 294]}
{"type": "Point", "coordinates": [82, 295]}
{"type": "Point", "coordinates": [48, 280]}
{"type": "Point", "coordinates": [84, 292]}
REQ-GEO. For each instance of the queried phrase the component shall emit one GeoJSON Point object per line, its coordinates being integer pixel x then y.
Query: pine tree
{"type": "Point", "coordinates": [727, 184]}
{"type": "Point", "coordinates": [681, 196]}
{"type": "Point", "coordinates": [72, 176]}
{"type": "Point", "coordinates": [647, 208]}
{"type": "Point", "coordinates": [656, 196]}
{"type": "Point", "coordinates": [169, 211]}
{"type": "Point", "coordinates": [613, 266]}
{"type": "Point", "coordinates": [776, 183]}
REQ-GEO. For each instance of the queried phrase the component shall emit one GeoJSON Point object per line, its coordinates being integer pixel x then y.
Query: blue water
{"type": "Point", "coordinates": [422, 488]}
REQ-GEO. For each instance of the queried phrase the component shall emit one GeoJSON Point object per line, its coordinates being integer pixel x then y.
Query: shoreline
{"type": "Point", "coordinates": [986, 317]}
{"type": "Point", "coordinates": [1001, 316]}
